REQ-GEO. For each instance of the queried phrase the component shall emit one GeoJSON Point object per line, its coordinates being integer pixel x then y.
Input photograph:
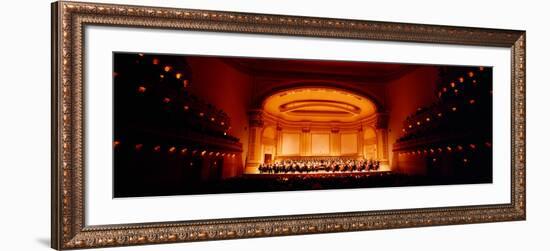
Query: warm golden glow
{"type": "Point", "coordinates": [319, 105]}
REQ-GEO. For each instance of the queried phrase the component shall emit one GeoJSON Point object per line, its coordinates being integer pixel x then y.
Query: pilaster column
{"type": "Point", "coordinates": [278, 142]}
{"type": "Point", "coordinates": [335, 142]}
{"type": "Point", "coordinates": [305, 142]}
{"type": "Point", "coordinates": [381, 126]}
{"type": "Point", "coordinates": [254, 157]}
{"type": "Point", "coordinates": [360, 148]}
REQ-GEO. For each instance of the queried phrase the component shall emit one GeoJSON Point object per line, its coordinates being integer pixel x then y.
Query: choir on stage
{"type": "Point", "coordinates": [315, 166]}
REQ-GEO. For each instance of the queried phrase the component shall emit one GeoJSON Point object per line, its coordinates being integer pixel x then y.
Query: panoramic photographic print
{"type": "Point", "coordinates": [192, 124]}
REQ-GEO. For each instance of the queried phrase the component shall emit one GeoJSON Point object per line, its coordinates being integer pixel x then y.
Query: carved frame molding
{"type": "Point", "coordinates": [68, 228]}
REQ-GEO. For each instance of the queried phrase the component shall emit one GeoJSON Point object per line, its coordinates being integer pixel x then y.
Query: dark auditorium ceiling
{"type": "Point", "coordinates": [292, 67]}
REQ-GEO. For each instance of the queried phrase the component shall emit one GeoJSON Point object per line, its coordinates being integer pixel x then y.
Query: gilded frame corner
{"type": "Point", "coordinates": [68, 226]}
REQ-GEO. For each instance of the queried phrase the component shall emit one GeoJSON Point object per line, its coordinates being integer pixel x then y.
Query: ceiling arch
{"type": "Point", "coordinates": [318, 104]}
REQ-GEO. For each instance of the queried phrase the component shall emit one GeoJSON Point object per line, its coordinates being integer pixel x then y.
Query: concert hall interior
{"type": "Point", "coordinates": [187, 124]}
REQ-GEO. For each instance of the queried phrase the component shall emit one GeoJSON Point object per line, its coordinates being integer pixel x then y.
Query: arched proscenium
{"type": "Point", "coordinates": [324, 108]}
{"type": "Point", "coordinates": [260, 99]}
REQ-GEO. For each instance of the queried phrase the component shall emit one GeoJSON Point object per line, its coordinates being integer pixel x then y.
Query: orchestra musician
{"type": "Point", "coordinates": [319, 165]}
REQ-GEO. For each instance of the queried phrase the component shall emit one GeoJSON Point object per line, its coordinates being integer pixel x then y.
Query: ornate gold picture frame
{"type": "Point", "coordinates": [69, 230]}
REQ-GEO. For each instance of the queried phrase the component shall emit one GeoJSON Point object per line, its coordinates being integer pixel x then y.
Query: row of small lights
{"type": "Point", "coordinates": [168, 68]}
{"type": "Point", "coordinates": [181, 150]}
{"type": "Point", "coordinates": [460, 80]}
{"type": "Point", "coordinates": [452, 109]}
{"type": "Point", "coordinates": [440, 114]}
{"type": "Point", "coordinates": [449, 149]}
